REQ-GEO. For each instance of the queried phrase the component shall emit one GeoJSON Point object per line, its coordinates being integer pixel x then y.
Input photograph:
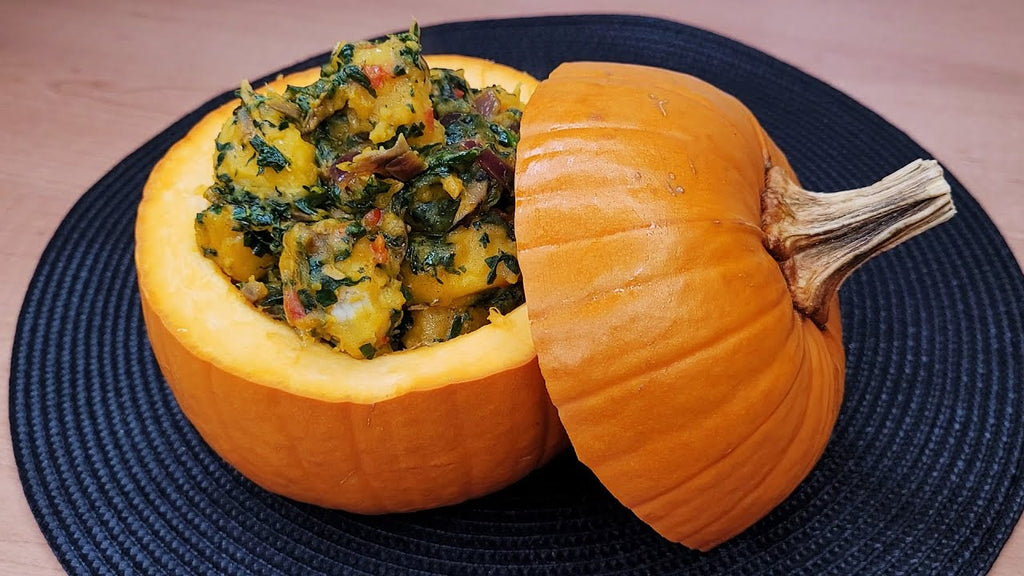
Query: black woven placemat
{"type": "Point", "coordinates": [923, 473]}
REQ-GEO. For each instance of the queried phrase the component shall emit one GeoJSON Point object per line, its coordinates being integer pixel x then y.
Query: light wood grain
{"type": "Point", "coordinates": [88, 82]}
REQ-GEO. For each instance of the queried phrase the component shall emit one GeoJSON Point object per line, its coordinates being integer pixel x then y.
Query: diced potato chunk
{"type": "Point", "coordinates": [403, 92]}
{"type": "Point", "coordinates": [226, 246]}
{"type": "Point", "coordinates": [265, 154]}
{"type": "Point", "coordinates": [335, 288]}
{"type": "Point", "coordinates": [464, 262]}
{"type": "Point", "coordinates": [440, 323]}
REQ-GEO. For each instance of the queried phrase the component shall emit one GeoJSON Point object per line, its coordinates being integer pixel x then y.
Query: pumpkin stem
{"type": "Point", "coordinates": [819, 239]}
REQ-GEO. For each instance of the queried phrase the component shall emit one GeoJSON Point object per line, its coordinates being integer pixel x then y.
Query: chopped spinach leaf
{"type": "Point", "coordinates": [375, 186]}
{"type": "Point", "coordinates": [342, 254]}
{"type": "Point", "coordinates": [494, 261]}
{"type": "Point", "coordinates": [426, 254]}
{"type": "Point", "coordinates": [268, 156]}
{"type": "Point", "coordinates": [503, 299]}
{"type": "Point", "coordinates": [458, 321]}
{"type": "Point", "coordinates": [346, 52]}
{"type": "Point", "coordinates": [326, 297]}
{"type": "Point", "coordinates": [355, 229]}
{"type": "Point", "coordinates": [407, 130]}
{"type": "Point", "coordinates": [444, 160]}
{"type": "Point", "coordinates": [222, 150]}
{"type": "Point", "coordinates": [356, 74]}
{"type": "Point", "coordinates": [333, 283]}
{"type": "Point", "coordinates": [309, 204]}
{"type": "Point", "coordinates": [505, 136]}
{"type": "Point", "coordinates": [263, 222]}
{"type": "Point", "coordinates": [307, 299]}
{"type": "Point", "coordinates": [434, 216]}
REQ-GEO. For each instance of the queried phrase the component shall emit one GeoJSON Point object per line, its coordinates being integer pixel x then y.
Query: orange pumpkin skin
{"type": "Point", "coordinates": [405, 431]}
{"type": "Point", "coordinates": [666, 331]}
{"type": "Point", "coordinates": [414, 451]}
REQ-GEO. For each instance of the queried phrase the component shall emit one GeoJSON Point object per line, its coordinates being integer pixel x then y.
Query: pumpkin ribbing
{"type": "Point", "coordinates": [666, 331]}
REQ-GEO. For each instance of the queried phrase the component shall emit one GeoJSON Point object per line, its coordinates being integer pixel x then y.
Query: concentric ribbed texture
{"type": "Point", "coordinates": [923, 474]}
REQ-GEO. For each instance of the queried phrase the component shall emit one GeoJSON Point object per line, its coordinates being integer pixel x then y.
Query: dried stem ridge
{"type": "Point", "coordinates": [819, 239]}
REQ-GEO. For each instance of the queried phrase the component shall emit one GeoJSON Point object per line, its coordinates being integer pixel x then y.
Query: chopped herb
{"type": "Point", "coordinates": [505, 136]}
{"type": "Point", "coordinates": [307, 299]}
{"type": "Point", "coordinates": [263, 222]}
{"type": "Point", "coordinates": [409, 131]}
{"type": "Point", "coordinates": [458, 321]}
{"type": "Point", "coordinates": [342, 55]}
{"type": "Point", "coordinates": [258, 215]}
{"type": "Point", "coordinates": [433, 216]}
{"type": "Point", "coordinates": [209, 252]}
{"type": "Point", "coordinates": [345, 52]}
{"type": "Point", "coordinates": [315, 267]}
{"type": "Point", "coordinates": [494, 261]}
{"type": "Point", "coordinates": [267, 156]}
{"type": "Point", "coordinates": [485, 240]}
{"type": "Point", "coordinates": [326, 297]}
{"type": "Point", "coordinates": [310, 204]}
{"type": "Point", "coordinates": [411, 52]}
{"type": "Point", "coordinates": [355, 229]}
{"type": "Point", "coordinates": [375, 186]}
{"type": "Point", "coordinates": [503, 299]}
{"type": "Point", "coordinates": [355, 199]}
{"type": "Point", "coordinates": [356, 74]}
{"type": "Point", "coordinates": [368, 351]}
{"type": "Point", "coordinates": [425, 255]}
{"type": "Point", "coordinates": [303, 96]}
{"type": "Point", "coordinates": [396, 316]}
{"type": "Point", "coordinates": [262, 242]}
{"type": "Point", "coordinates": [444, 160]}
{"type": "Point", "coordinates": [222, 150]}
{"type": "Point", "coordinates": [335, 283]}
{"type": "Point", "coordinates": [394, 241]}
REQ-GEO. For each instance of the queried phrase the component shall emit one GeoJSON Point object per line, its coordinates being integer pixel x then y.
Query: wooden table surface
{"type": "Point", "coordinates": [88, 82]}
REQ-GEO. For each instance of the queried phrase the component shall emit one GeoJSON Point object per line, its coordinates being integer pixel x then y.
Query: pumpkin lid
{"type": "Point", "coordinates": [673, 342]}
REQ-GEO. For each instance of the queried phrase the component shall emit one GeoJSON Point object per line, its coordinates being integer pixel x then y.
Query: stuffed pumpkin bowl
{"type": "Point", "coordinates": [332, 272]}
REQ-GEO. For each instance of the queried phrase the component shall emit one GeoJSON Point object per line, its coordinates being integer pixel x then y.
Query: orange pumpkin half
{"type": "Point", "coordinates": [680, 290]}
{"type": "Point", "coordinates": [410, 430]}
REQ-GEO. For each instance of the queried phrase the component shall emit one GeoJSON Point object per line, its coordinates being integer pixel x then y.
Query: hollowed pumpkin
{"type": "Point", "coordinates": [410, 430]}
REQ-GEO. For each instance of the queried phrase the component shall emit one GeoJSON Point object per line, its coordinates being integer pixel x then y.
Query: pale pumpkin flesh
{"type": "Point", "coordinates": [699, 396]}
{"type": "Point", "coordinates": [410, 430]}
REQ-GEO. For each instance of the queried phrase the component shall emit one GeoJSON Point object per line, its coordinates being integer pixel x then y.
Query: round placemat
{"type": "Point", "coordinates": [923, 473]}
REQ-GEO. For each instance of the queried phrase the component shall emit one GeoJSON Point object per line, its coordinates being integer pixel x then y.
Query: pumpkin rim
{"type": "Point", "coordinates": [192, 297]}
